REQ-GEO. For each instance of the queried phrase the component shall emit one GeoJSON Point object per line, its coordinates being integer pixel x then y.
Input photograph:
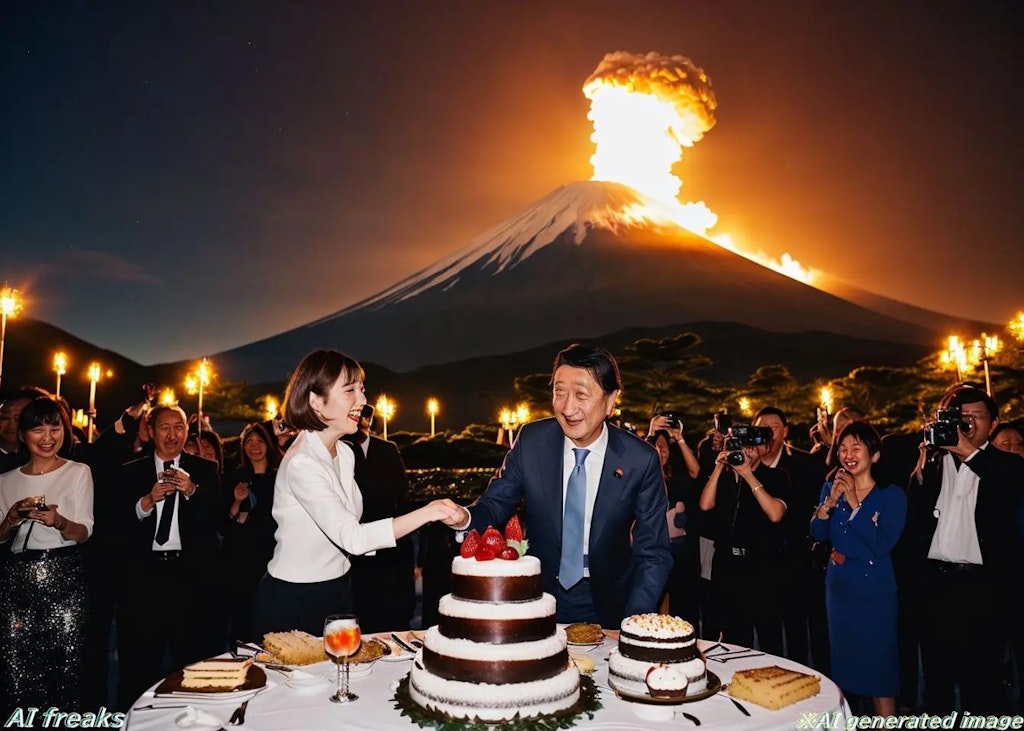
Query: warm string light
{"type": "Point", "coordinates": [433, 406]}
{"type": "Point", "coordinates": [964, 356]}
{"type": "Point", "coordinates": [270, 408]}
{"type": "Point", "coordinates": [60, 367]}
{"type": "Point", "coordinates": [10, 306]}
{"type": "Point", "coordinates": [385, 408]}
{"type": "Point", "coordinates": [196, 383]}
{"type": "Point", "coordinates": [94, 372]}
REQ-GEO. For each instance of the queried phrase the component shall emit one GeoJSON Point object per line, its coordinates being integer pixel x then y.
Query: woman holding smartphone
{"type": "Point", "coordinates": [47, 509]}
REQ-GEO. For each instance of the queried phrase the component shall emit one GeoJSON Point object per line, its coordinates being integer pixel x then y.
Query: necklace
{"type": "Point", "coordinates": [41, 471]}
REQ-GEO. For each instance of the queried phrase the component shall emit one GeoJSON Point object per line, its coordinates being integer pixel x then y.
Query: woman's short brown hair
{"type": "Point", "coordinates": [317, 373]}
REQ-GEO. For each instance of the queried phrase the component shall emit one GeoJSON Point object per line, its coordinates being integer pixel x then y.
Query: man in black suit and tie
{"type": "Point", "coordinates": [383, 581]}
{"type": "Point", "coordinates": [593, 496]}
{"type": "Point", "coordinates": [170, 558]}
{"type": "Point", "coordinates": [802, 587]}
{"type": "Point", "coordinates": [962, 534]}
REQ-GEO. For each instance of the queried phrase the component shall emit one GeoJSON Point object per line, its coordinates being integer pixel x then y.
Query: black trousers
{"type": "Point", "coordinates": [962, 641]}
{"type": "Point", "coordinates": [745, 592]}
{"type": "Point", "coordinates": [282, 605]}
{"type": "Point", "coordinates": [802, 599]}
{"type": "Point", "coordinates": [167, 607]}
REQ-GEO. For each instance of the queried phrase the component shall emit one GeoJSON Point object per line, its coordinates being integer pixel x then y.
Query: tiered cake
{"type": "Point", "coordinates": [496, 651]}
{"type": "Point", "coordinates": [649, 641]}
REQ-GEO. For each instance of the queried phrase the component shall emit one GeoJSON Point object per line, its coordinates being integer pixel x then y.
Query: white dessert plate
{"type": "Point", "coordinates": [306, 682]}
{"type": "Point", "coordinates": [714, 685]}
{"type": "Point", "coordinates": [198, 720]}
{"type": "Point", "coordinates": [585, 646]}
{"type": "Point", "coordinates": [255, 679]}
{"type": "Point", "coordinates": [398, 654]}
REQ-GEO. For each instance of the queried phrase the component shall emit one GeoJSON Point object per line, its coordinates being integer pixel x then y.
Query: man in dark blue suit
{"type": "Point", "coordinates": [593, 498]}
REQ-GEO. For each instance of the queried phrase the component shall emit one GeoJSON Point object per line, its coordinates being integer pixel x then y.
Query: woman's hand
{"type": "Point", "coordinates": [13, 518]}
{"type": "Point", "coordinates": [48, 516]}
{"type": "Point", "coordinates": [446, 511]}
{"type": "Point", "coordinates": [842, 486]}
{"type": "Point", "coordinates": [241, 492]}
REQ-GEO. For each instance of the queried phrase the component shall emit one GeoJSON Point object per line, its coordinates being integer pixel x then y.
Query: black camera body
{"type": "Point", "coordinates": [675, 419]}
{"type": "Point", "coordinates": [722, 422]}
{"type": "Point", "coordinates": [734, 451]}
{"type": "Point", "coordinates": [744, 435]}
{"type": "Point", "coordinates": [945, 430]}
{"type": "Point", "coordinates": [751, 436]}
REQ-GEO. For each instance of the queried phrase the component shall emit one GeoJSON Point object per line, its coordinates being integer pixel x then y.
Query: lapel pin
{"type": "Point", "coordinates": [619, 472]}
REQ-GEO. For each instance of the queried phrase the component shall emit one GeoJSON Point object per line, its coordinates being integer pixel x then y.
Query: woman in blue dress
{"type": "Point", "coordinates": [863, 520]}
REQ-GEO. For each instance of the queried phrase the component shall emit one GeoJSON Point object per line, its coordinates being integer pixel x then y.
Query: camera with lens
{"type": "Point", "coordinates": [734, 451]}
{"type": "Point", "coordinates": [945, 430]}
{"type": "Point", "coordinates": [744, 435]}
{"type": "Point", "coordinates": [675, 419]}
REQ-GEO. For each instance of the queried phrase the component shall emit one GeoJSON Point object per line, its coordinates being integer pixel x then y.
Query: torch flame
{"type": "Point", "coordinates": [645, 109]}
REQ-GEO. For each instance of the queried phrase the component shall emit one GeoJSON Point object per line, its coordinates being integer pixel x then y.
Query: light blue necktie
{"type": "Point", "coordinates": [570, 569]}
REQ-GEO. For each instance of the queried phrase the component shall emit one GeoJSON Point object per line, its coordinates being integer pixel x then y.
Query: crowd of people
{"type": "Point", "coordinates": [874, 559]}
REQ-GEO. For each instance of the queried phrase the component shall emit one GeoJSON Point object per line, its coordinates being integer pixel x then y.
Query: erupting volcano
{"type": "Point", "coordinates": [588, 259]}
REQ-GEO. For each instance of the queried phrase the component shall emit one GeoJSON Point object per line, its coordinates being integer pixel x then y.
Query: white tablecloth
{"type": "Point", "coordinates": [280, 708]}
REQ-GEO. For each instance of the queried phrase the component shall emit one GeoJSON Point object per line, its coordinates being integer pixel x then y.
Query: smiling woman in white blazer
{"type": "Point", "coordinates": [318, 505]}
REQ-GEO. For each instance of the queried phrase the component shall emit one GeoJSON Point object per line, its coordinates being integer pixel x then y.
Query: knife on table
{"type": "Point", "coordinates": [403, 644]}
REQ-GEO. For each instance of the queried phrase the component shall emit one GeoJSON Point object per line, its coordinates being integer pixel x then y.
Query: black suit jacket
{"type": "Point", "coordinates": [999, 496]}
{"type": "Point", "coordinates": [380, 475]}
{"type": "Point", "coordinates": [630, 558]}
{"type": "Point", "coordinates": [197, 516]}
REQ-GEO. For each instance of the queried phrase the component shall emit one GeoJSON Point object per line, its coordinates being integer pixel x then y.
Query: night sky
{"type": "Point", "coordinates": [178, 178]}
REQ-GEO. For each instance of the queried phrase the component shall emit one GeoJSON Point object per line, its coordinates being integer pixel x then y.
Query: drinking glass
{"type": "Point", "coordinates": [341, 641]}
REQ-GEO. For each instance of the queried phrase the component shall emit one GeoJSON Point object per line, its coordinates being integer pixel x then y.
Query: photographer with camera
{"type": "Point", "coordinates": [963, 538]}
{"type": "Point", "coordinates": [744, 500]}
{"type": "Point", "coordinates": [802, 587]}
{"type": "Point", "coordinates": [680, 469]}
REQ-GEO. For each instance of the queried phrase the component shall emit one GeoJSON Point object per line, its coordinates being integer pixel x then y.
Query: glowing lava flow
{"type": "Point", "coordinates": [645, 109]}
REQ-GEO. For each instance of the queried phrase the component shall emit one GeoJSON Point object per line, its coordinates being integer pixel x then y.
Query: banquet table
{"type": "Point", "coordinates": [279, 707]}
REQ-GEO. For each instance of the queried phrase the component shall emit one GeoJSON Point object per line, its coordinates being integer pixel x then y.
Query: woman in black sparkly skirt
{"type": "Point", "coordinates": [47, 509]}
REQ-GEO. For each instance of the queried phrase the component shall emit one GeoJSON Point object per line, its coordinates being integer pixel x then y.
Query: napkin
{"type": "Point", "coordinates": [196, 718]}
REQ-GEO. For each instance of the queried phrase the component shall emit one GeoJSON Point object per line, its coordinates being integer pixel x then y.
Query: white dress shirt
{"type": "Point", "coordinates": [174, 537]}
{"type": "Point", "coordinates": [317, 506]}
{"type": "Point", "coordinates": [956, 535]}
{"type": "Point", "coordinates": [593, 466]}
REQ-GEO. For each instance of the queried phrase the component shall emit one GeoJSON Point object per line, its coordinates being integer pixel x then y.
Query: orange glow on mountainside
{"type": "Point", "coordinates": [645, 109]}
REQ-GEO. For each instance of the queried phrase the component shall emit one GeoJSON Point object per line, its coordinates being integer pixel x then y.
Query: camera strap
{"type": "Point", "coordinates": [31, 525]}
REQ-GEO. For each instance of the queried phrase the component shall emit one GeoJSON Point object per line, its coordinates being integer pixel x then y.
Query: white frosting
{"type": "Point", "coordinates": [662, 645]}
{"type": "Point", "coordinates": [666, 677]}
{"type": "Point", "coordinates": [469, 650]}
{"type": "Point", "coordinates": [490, 702]}
{"type": "Point", "coordinates": [522, 566]}
{"type": "Point", "coordinates": [635, 671]}
{"type": "Point", "coordinates": [661, 626]}
{"type": "Point", "coordinates": [450, 606]}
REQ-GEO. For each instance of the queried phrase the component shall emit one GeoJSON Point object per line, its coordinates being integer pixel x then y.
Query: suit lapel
{"type": "Point", "coordinates": [551, 474]}
{"type": "Point", "coordinates": [609, 488]}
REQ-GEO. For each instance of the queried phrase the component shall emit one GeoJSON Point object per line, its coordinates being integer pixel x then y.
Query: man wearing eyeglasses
{"type": "Point", "coordinates": [962, 529]}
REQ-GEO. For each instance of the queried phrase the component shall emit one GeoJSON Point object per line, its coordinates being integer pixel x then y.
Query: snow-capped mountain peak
{"type": "Point", "coordinates": [578, 207]}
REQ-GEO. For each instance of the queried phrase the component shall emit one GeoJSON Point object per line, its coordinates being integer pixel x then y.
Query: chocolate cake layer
{"type": "Point", "coordinates": [497, 631]}
{"type": "Point", "coordinates": [495, 671]}
{"type": "Point", "coordinates": [657, 654]}
{"type": "Point", "coordinates": [656, 640]}
{"type": "Point", "coordinates": [497, 588]}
